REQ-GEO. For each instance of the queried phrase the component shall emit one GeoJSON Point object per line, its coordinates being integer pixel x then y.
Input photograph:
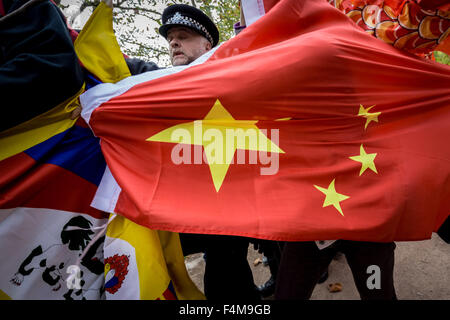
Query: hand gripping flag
{"type": "Point", "coordinates": [302, 127]}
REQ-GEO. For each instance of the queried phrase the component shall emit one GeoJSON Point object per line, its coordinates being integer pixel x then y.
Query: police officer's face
{"type": "Point", "coordinates": [186, 45]}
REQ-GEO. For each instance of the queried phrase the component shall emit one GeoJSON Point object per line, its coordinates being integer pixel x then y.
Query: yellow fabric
{"type": "Point", "coordinates": [4, 296]}
{"type": "Point", "coordinates": [38, 129]}
{"type": "Point", "coordinates": [157, 261]}
{"type": "Point", "coordinates": [97, 47]}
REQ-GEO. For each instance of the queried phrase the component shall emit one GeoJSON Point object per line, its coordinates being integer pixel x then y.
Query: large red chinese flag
{"type": "Point", "coordinates": [358, 133]}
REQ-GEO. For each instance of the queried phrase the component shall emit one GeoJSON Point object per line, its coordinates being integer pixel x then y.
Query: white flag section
{"type": "Point", "coordinates": [39, 249]}
{"type": "Point", "coordinates": [253, 10]}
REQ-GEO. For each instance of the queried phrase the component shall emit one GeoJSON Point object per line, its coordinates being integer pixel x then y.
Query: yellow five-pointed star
{"type": "Point", "coordinates": [220, 135]}
{"type": "Point", "coordinates": [332, 197]}
{"type": "Point", "coordinates": [366, 159]}
{"type": "Point", "coordinates": [369, 116]}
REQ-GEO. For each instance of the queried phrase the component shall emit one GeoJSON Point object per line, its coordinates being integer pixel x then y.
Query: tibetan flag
{"type": "Point", "coordinates": [51, 239]}
{"type": "Point", "coordinates": [302, 127]}
{"type": "Point", "coordinates": [46, 222]}
{"type": "Point", "coordinates": [144, 264]}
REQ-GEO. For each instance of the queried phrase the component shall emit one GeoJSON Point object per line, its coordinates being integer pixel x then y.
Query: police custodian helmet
{"type": "Point", "coordinates": [187, 16]}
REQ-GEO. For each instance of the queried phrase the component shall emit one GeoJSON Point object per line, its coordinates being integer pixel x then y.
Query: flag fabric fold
{"type": "Point", "coordinates": [46, 221]}
{"type": "Point", "coordinates": [50, 165]}
{"type": "Point", "coordinates": [302, 127]}
{"type": "Point", "coordinates": [418, 27]}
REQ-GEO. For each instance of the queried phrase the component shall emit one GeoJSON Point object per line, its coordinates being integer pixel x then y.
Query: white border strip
{"type": "Point", "coordinates": [107, 194]}
{"type": "Point", "coordinates": [253, 10]}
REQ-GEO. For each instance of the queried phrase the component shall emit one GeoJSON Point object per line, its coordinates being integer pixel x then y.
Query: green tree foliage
{"type": "Point", "coordinates": [442, 57]}
{"type": "Point", "coordinates": [136, 22]}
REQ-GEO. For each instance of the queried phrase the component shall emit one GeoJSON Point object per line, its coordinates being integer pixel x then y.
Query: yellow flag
{"type": "Point", "coordinates": [144, 264]}
{"type": "Point", "coordinates": [97, 47]}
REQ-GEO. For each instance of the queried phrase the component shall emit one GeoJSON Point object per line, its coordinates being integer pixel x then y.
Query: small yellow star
{"type": "Point", "coordinates": [332, 197]}
{"type": "Point", "coordinates": [369, 116]}
{"type": "Point", "coordinates": [366, 159]}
